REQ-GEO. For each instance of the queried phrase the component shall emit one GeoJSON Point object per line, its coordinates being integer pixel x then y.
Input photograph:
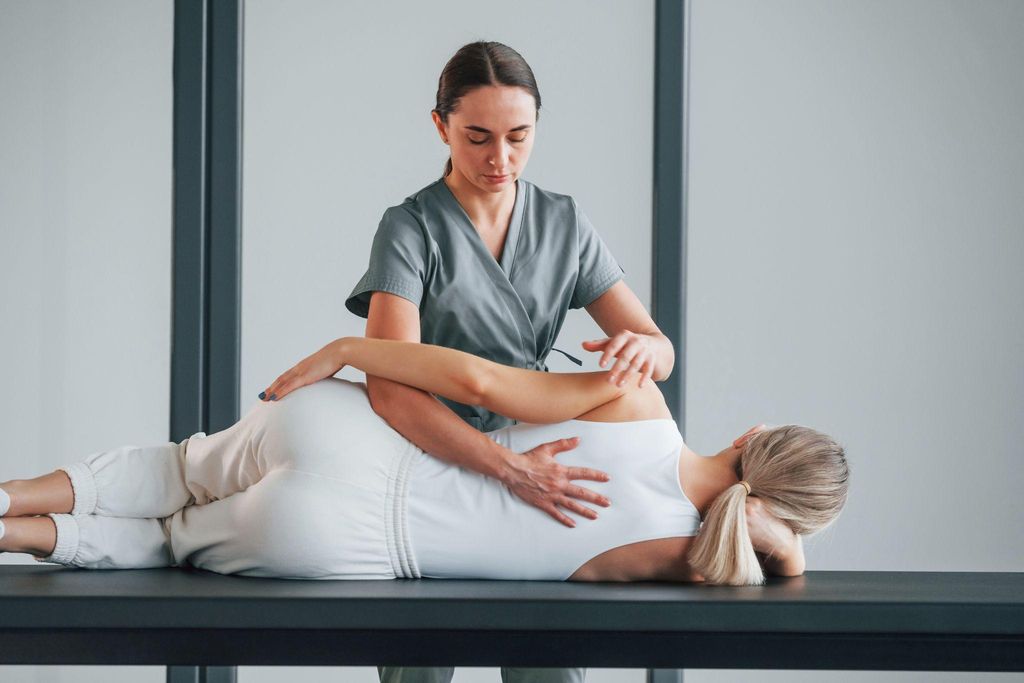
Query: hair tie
{"type": "Point", "coordinates": [746, 486]}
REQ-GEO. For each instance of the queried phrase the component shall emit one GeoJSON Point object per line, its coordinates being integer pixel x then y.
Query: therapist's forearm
{"type": "Point", "coordinates": [435, 428]}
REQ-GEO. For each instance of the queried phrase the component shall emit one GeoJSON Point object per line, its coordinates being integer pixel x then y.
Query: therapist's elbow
{"type": "Point", "coordinates": [385, 396]}
{"type": "Point", "coordinates": [667, 360]}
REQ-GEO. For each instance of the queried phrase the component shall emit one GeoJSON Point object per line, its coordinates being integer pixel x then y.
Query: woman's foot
{"type": "Point", "coordinates": [35, 535]}
{"type": "Point", "coordinates": [49, 493]}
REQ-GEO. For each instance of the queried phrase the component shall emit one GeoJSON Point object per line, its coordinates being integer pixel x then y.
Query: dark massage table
{"type": "Point", "coordinates": [188, 619]}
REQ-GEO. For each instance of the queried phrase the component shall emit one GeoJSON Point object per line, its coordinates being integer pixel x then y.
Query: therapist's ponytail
{"type": "Point", "coordinates": [802, 477]}
{"type": "Point", "coordinates": [480, 64]}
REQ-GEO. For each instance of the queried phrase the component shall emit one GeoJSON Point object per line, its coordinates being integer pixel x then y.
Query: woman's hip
{"type": "Point", "coordinates": [326, 428]}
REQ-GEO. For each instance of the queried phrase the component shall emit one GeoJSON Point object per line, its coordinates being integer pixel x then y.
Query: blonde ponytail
{"type": "Point", "coordinates": [723, 553]}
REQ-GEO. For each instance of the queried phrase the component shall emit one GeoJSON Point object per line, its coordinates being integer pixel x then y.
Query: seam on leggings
{"type": "Point", "coordinates": [403, 564]}
{"type": "Point", "coordinates": [400, 506]}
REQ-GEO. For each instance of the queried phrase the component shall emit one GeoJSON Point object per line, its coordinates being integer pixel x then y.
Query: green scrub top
{"type": "Point", "coordinates": [427, 250]}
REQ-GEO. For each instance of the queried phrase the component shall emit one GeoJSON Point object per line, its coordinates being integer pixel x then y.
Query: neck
{"type": "Point", "coordinates": [704, 477]}
{"type": "Point", "coordinates": [489, 207]}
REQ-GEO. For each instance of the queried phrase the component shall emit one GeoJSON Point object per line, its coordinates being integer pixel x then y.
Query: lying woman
{"type": "Point", "coordinates": [315, 485]}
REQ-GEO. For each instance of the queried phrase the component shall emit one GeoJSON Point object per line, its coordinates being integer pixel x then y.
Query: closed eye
{"type": "Point", "coordinates": [475, 142]}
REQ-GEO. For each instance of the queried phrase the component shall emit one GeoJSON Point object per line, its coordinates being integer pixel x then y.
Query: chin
{"type": "Point", "coordinates": [487, 185]}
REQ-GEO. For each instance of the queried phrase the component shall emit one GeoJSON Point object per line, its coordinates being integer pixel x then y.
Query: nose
{"type": "Point", "coordinates": [499, 156]}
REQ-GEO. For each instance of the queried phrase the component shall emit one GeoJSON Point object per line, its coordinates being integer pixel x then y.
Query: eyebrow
{"type": "Point", "coordinates": [484, 130]}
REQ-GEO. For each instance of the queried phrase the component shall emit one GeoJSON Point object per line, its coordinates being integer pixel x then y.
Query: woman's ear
{"type": "Point", "coordinates": [440, 126]}
{"type": "Point", "coordinates": [740, 440]}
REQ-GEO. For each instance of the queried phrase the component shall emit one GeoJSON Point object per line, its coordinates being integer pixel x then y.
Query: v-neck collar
{"type": "Point", "coordinates": [515, 224]}
{"type": "Point", "coordinates": [500, 273]}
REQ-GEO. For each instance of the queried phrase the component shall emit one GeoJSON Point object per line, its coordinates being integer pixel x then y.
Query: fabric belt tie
{"type": "Point", "coordinates": [577, 361]}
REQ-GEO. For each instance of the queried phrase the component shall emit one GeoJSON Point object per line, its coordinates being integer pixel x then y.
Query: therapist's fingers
{"type": "Point", "coordinates": [585, 473]}
{"type": "Point", "coordinates": [587, 495]}
{"type": "Point", "coordinates": [646, 372]}
{"type": "Point", "coordinates": [578, 508]}
{"type": "Point", "coordinates": [612, 348]}
{"type": "Point", "coordinates": [557, 514]}
{"type": "Point", "coordinates": [623, 359]}
{"type": "Point", "coordinates": [629, 357]}
{"type": "Point", "coordinates": [595, 345]}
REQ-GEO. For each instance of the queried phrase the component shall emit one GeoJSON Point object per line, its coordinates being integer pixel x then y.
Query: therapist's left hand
{"type": "Point", "coordinates": [632, 353]}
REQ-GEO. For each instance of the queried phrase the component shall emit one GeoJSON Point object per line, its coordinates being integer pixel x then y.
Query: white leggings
{"type": "Point", "coordinates": [311, 486]}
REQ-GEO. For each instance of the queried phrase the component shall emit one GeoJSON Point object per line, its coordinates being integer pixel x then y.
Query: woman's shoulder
{"type": "Point", "coordinates": [641, 403]}
{"type": "Point", "coordinates": [549, 199]}
{"type": "Point", "coordinates": [416, 206]}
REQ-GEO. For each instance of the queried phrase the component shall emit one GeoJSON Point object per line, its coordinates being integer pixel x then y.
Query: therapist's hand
{"type": "Point", "coordinates": [324, 363]}
{"type": "Point", "coordinates": [632, 353]}
{"type": "Point", "coordinates": [538, 479]}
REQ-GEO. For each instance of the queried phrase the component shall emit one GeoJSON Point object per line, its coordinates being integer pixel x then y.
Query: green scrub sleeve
{"type": "Point", "coordinates": [398, 262]}
{"type": "Point", "coordinates": [598, 269]}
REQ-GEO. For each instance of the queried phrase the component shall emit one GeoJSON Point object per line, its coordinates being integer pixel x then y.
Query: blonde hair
{"type": "Point", "coordinates": [802, 477]}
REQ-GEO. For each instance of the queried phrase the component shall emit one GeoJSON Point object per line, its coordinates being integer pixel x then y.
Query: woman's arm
{"type": "Point", "coordinates": [787, 561]}
{"type": "Point", "coordinates": [780, 549]}
{"type": "Point", "coordinates": [526, 395]}
{"type": "Point", "coordinates": [633, 336]}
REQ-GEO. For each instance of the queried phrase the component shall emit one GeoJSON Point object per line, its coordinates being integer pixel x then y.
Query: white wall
{"type": "Point", "coordinates": [856, 233]}
{"type": "Point", "coordinates": [85, 238]}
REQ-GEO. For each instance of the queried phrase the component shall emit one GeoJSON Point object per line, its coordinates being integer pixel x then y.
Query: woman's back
{"type": "Point", "coordinates": [463, 524]}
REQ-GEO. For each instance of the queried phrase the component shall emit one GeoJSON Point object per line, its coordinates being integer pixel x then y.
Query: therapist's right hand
{"type": "Point", "coordinates": [538, 479]}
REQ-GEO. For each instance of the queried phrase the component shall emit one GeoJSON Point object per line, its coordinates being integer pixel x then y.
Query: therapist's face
{"type": "Point", "coordinates": [490, 134]}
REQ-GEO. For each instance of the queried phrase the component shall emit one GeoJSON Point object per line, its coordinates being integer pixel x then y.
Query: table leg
{"type": "Point", "coordinates": [202, 674]}
{"type": "Point", "coordinates": [664, 676]}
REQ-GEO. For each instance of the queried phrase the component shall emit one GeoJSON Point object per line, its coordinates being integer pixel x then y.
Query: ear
{"type": "Point", "coordinates": [738, 443]}
{"type": "Point", "coordinates": [440, 126]}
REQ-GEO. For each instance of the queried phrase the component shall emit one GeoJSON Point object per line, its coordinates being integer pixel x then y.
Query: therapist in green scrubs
{"type": "Point", "coordinates": [486, 262]}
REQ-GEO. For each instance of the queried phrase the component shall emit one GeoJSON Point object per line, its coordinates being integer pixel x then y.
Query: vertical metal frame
{"type": "Point", "coordinates": [206, 288]}
{"type": "Point", "coordinates": [206, 284]}
{"type": "Point", "coordinates": [670, 202]}
{"type": "Point", "coordinates": [189, 253]}
{"type": "Point", "coordinates": [671, 121]}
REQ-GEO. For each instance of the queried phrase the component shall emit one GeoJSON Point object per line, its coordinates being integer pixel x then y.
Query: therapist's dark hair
{"type": "Point", "coordinates": [476, 65]}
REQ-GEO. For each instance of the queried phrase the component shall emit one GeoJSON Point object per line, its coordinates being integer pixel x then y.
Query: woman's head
{"type": "Point", "coordinates": [487, 109]}
{"type": "Point", "coordinates": [800, 475]}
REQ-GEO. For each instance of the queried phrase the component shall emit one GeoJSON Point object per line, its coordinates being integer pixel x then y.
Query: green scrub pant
{"type": "Point", "coordinates": [443, 674]}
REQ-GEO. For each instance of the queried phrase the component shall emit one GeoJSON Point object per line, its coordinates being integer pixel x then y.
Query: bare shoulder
{"type": "Point", "coordinates": [643, 403]}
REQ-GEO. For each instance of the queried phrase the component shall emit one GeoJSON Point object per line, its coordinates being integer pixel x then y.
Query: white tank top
{"type": "Point", "coordinates": [465, 524]}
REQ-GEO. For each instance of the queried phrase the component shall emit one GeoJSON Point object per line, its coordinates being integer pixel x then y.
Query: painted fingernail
{"type": "Point", "coordinates": [263, 395]}
{"type": "Point", "coordinates": [273, 397]}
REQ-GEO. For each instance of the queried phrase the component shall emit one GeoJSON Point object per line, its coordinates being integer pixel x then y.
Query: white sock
{"type": "Point", "coordinates": [2, 530]}
{"type": "Point", "coordinates": [5, 504]}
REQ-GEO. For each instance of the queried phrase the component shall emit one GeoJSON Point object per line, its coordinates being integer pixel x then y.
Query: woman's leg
{"type": "Point", "coordinates": [90, 541]}
{"type": "Point", "coordinates": [149, 482]}
{"type": "Point", "coordinates": [35, 535]}
{"type": "Point", "coordinates": [48, 493]}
